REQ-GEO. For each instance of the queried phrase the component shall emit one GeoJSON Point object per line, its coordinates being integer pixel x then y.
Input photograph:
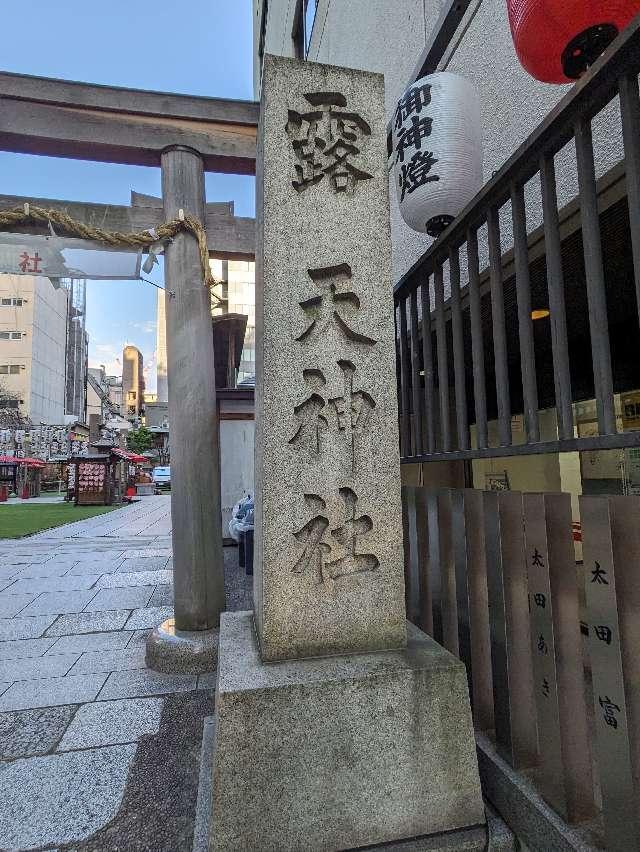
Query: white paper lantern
{"type": "Point", "coordinates": [437, 150]}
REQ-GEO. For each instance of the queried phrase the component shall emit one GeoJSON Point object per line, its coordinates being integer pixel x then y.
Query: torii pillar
{"type": "Point", "coordinates": [189, 642]}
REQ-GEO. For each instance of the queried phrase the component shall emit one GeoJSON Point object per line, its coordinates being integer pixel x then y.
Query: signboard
{"type": "Point", "coordinates": [630, 405]}
{"type": "Point", "coordinates": [62, 257]}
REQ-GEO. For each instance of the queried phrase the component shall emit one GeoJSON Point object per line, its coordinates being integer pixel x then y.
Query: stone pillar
{"type": "Point", "coordinates": [328, 523]}
{"type": "Point", "coordinates": [198, 574]}
{"type": "Point", "coordinates": [358, 730]}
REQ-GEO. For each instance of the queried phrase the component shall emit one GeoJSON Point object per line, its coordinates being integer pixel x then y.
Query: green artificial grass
{"type": "Point", "coordinates": [18, 521]}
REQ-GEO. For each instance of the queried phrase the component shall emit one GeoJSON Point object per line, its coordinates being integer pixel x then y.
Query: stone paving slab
{"type": "Point", "coordinates": [66, 583]}
{"type": "Point", "coordinates": [20, 649]}
{"type": "Point", "coordinates": [90, 642]}
{"type": "Point", "coordinates": [52, 691]}
{"type": "Point", "coordinates": [60, 603]}
{"type": "Point", "coordinates": [149, 617]}
{"type": "Point", "coordinates": [44, 569]}
{"type": "Point", "coordinates": [130, 684]}
{"type": "Point", "coordinates": [112, 722]}
{"type": "Point", "coordinates": [130, 597]}
{"type": "Point", "coordinates": [61, 798]}
{"type": "Point", "coordinates": [30, 627]}
{"type": "Point", "coordinates": [11, 604]}
{"type": "Point", "coordinates": [149, 552]}
{"type": "Point", "coordinates": [155, 563]}
{"type": "Point", "coordinates": [89, 622]}
{"type": "Point", "coordinates": [92, 568]}
{"type": "Point", "coordinates": [117, 660]}
{"type": "Point", "coordinates": [25, 733]}
{"type": "Point", "coordinates": [8, 572]}
{"type": "Point", "coordinates": [108, 671]}
{"type": "Point", "coordinates": [163, 596]}
{"type": "Point", "coordinates": [135, 578]}
{"type": "Point", "coordinates": [50, 665]}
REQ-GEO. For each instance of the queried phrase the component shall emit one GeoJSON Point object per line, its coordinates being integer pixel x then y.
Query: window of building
{"type": "Point", "coordinates": [303, 27]}
{"type": "Point", "coordinates": [16, 335]}
{"type": "Point", "coordinates": [263, 29]}
{"type": "Point", "coordinates": [10, 335]}
{"type": "Point", "coordinates": [11, 403]}
{"type": "Point", "coordinates": [310, 9]}
{"type": "Point", "coordinates": [10, 369]}
{"type": "Point", "coordinates": [15, 302]}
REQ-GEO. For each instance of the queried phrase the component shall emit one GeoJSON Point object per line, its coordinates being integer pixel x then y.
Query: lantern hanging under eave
{"type": "Point", "coordinates": [557, 40]}
{"type": "Point", "coordinates": [437, 150]}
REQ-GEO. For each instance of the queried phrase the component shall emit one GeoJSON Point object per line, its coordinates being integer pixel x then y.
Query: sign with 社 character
{"type": "Point", "coordinates": [62, 257]}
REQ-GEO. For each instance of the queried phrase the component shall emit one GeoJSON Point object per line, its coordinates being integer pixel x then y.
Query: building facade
{"type": "Point", "coordinates": [33, 335]}
{"type": "Point", "coordinates": [237, 290]}
{"type": "Point", "coordinates": [388, 36]}
{"type": "Point", "coordinates": [162, 387]}
{"type": "Point", "coordinates": [77, 348]}
{"type": "Point", "coordinates": [132, 404]}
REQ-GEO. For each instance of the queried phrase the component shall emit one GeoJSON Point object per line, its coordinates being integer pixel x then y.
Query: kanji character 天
{"type": "Point", "coordinates": [333, 306]}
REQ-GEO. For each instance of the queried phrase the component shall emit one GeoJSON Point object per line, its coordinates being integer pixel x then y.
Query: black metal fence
{"type": "Point", "coordinates": [443, 346]}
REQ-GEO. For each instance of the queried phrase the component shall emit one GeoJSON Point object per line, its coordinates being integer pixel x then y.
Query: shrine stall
{"type": "Point", "coordinates": [128, 471]}
{"type": "Point", "coordinates": [91, 480]}
{"type": "Point", "coordinates": [129, 476]}
{"type": "Point", "coordinates": [21, 475]}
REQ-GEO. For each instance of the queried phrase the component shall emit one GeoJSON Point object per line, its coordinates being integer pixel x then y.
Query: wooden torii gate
{"type": "Point", "coordinates": [185, 136]}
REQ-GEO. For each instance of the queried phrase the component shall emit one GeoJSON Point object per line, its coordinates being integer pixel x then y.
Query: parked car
{"type": "Point", "coordinates": [161, 477]}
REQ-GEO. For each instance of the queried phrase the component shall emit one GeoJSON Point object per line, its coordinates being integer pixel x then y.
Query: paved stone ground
{"type": "Point", "coordinates": [97, 752]}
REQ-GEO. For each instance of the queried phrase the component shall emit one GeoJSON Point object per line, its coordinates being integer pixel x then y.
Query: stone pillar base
{"type": "Point", "coordinates": [181, 651]}
{"type": "Point", "coordinates": [340, 752]}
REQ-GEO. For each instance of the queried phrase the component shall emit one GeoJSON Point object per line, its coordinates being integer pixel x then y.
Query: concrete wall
{"type": "Point", "coordinates": [388, 36]}
{"type": "Point", "coordinates": [41, 351]}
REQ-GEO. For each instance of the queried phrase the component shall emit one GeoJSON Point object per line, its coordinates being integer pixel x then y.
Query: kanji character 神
{"type": "Point", "coordinates": [312, 423]}
{"type": "Point", "coordinates": [412, 136]}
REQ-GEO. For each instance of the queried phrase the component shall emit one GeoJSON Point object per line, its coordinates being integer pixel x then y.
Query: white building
{"type": "Point", "coordinates": [33, 331]}
{"type": "Point", "coordinates": [161, 349]}
{"type": "Point", "coordinates": [237, 288]}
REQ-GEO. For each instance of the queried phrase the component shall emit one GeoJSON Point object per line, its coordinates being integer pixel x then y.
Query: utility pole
{"type": "Point", "coordinates": [198, 573]}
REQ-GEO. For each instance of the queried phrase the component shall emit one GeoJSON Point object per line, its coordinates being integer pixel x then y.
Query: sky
{"type": "Point", "coordinates": [203, 47]}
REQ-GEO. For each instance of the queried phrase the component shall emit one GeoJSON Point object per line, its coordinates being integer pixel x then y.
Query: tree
{"type": "Point", "coordinates": [10, 414]}
{"type": "Point", "coordinates": [139, 440]}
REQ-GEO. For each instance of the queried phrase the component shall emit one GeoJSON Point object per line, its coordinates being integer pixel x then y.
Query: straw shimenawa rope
{"type": "Point", "coordinates": [141, 239]}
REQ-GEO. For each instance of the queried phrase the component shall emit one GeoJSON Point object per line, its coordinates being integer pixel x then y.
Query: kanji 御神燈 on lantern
{"type": "Point", "coordinates": [437, 150]}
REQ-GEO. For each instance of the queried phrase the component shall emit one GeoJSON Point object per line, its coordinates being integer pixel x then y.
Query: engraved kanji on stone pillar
{"type": "Point", "coordinates": [329, 564]}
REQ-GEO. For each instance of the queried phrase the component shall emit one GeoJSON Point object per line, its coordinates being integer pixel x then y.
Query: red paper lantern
{"type": "Point", "coordinates": [557, 40]}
